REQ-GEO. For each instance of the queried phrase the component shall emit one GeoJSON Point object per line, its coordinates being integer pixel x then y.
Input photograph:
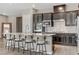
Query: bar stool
{"type": "Point", "coordinates": [41, 43]}
{"type": "Point", "coordinates": [29, 44]}
{"type": "Point", "coordinates": [8, 41]}
{"type": "Point", "coordinates": [4, 39]}
{"type": "Point", "coordinates": [19, 41]}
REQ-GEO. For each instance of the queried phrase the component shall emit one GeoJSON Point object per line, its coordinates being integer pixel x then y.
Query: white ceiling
{"type": "Point", "coordinates": [19, 8]}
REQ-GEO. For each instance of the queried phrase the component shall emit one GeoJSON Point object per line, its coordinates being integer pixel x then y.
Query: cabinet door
{"type": "Point", "coordinates": [47, 16]}
{"type": "Point", "coordinates": [71, 19]}
{"type": "Point", "coordinates": [57, 16]}
{"type": "Point", "coordinates": [68, 19]}
{"type": "Point", "coordinates": [39, 18]}
{"type": "Point", "coordinates": [37, 22]}
{"type": "Point", "coordinates": [74, 18]}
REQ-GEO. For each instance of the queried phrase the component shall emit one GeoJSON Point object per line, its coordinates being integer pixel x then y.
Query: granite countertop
{"type": "Point", "coordinates": [59, 33]}
{"type": "Point", "coordinates": [37, 34]}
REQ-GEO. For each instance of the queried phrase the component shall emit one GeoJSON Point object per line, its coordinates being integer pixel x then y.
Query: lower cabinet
{"type": "Point", "coordinates": [65, 39]}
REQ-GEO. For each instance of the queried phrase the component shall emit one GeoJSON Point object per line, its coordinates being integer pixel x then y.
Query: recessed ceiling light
{"type": "Point", "coordinates": [60, 8]}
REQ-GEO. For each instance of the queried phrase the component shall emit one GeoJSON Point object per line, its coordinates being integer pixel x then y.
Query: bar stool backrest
{"type": "Point", "coordinates": [40, 39]}
{"type": "Point", "coordinates": [22, 36]}
{"type": "Point", "coordinates": [29, 38]}
{"type": "Point", "coordinates": [17, 36]}
{"type": "Point", "coordinates": [8, 36]}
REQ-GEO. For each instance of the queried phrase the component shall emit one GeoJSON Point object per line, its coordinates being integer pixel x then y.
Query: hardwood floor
{"type": "Point", "coordinates": [59, 50]}
{"type": "Point", "coordinates": [65, 50]}
{"type": "Point", "coordinates": [4, 51]}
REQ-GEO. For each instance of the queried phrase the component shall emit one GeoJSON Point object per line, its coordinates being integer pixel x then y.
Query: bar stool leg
{"type": "Point", "coordinates": [30, 47]}
{"type": "Point", "coordinates": [14, 46]}
{"type": "Point", "coordinates": [45, 49]}
{"type": "Point", "coordinates": [33, 45]}
{"type": "Point", "coordinates": [11, 43]}
{"type": "Point", "coordinates": [24, 48]}
{"type": "Point", "coordinates": [18, 46]}
{"type": "Point", "coordinates": [36, 49]}
{"type": "Point", "coordinates": [39, 50]}
{"type": "Point", "coordinates": [8, 47]}
{"type": "Point", "coordinates": [42, 49]}
{"type": "Point", "coordinates": [27, 47]}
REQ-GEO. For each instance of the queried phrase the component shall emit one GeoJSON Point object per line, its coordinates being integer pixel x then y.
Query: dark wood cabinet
{"type": "Point", "coordinates": [37, 18]}
{"type": "Point", "coordinates": [37, 22]}
{"type": "Point", "coordinates": [48, 19]}
{"type": "Point", "coordinates": [57, 16]}
{"type": "Point", "coordinates": [71, 18]}
{"type": "Point", "coordinates": [59, 8]}
{"type": "Point", "coordinates": [18, 24]}
{"type": "Point", "coordinates": [65, 39]}
{"type": "Point", "coordinates": [47, 16]}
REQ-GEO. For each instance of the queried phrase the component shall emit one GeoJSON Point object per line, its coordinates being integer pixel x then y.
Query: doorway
{"type": "Point", "coordinates": [6, 28]}
{"type": "Point", "coordinates": [19, 24]}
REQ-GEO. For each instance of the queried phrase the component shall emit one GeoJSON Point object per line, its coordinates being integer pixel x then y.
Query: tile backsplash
{"type": "Point", "coordinates": [59, 27]}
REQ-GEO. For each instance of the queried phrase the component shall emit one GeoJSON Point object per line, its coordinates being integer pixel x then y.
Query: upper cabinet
{"type": "Point", "coordinates": [57, 16]}
{"type": "Point", "coordinates": [59, 12]}
{"type": "Point", "coordinates": [47, 16]}
{"type": "Point", "coordinates": [37, 22]}
{"type": "Point", "coordinates": [37, 18]}
{"type": "Point", "coordinates": [48, 19]}
{"type": "Point", "coordinates": [59, 8]}
{"type": "Point", "coordinates": [71, 18]}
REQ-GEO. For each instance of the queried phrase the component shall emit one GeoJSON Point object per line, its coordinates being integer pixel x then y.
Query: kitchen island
{"type": "Point", "coordinates": [65, 38]}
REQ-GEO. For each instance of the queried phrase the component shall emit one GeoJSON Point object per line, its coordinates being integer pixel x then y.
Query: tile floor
{"type": "Point", "coordinates": [59, 50]}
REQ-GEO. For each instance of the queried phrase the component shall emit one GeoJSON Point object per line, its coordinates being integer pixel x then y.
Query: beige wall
{"type": "Point", "coordinates": [2, 20]}
{"type": "Point", "coordinates": [12, 19]}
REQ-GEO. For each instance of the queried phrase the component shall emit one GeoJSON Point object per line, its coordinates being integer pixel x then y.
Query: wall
{"type": "Point", "coordinates": [3, 19]}
{"type": "Point", "coordinates": [27, 22]}
{"type": "Point", "coordinates": [12, 19]}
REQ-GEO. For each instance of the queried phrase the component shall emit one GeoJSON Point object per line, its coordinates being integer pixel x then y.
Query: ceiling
{"type": "Point", "coordinates": [19, 8]}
